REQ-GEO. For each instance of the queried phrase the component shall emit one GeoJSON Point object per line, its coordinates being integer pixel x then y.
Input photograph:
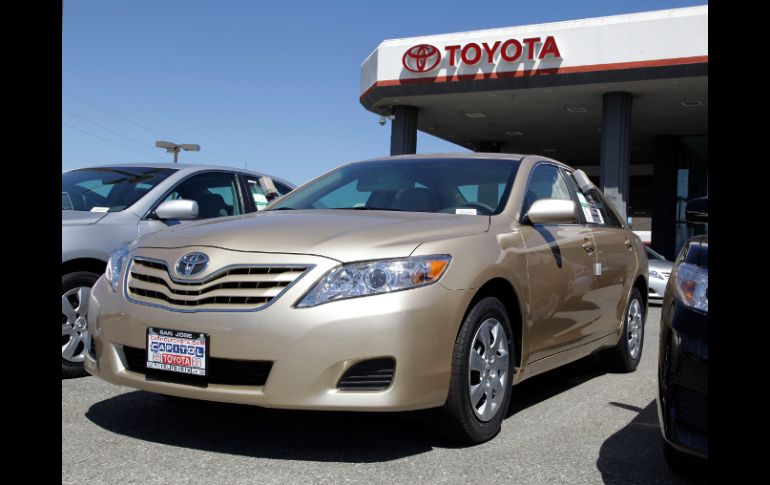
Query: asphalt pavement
{"type": "Point", "coordinates": [577, 424]}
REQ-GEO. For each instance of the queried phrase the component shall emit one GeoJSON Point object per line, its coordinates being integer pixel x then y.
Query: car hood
{"type": "Point", "coordinates": [344, 235]}
{"type": "Point", "coordinates": [658, 265]}
{"type": "Point", "coordinates": [79, 218]}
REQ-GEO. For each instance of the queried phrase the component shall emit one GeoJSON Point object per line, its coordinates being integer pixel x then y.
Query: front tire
{"type": "Point", "coordinates": [625, 356]}
{"type": "Point", "coordinates": [75, 289]}
{"type": "Point", "coordinates": [482, 369]}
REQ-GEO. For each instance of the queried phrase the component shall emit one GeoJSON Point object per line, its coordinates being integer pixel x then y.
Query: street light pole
{"type": "Point", "coordinates": [174, 148]}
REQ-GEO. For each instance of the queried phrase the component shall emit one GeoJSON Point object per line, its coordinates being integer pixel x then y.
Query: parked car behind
{"type": "Point", "coordinates": [401, 283]}
{"type": "Point", "coordinates": [104, 208]}
{"type": "Point", "coordinates": [684, 351]}
{"type": "Point", "coordinates": [660, 270]}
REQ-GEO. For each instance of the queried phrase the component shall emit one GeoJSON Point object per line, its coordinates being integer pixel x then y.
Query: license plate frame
{"type": "Point", "coordinates": [177, 356]}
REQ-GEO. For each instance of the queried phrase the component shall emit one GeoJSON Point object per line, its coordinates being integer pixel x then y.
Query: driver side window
{"type": "Point", "coordinates": [546, 182]}
{"type": "Point", "coordinates": [216, 194]}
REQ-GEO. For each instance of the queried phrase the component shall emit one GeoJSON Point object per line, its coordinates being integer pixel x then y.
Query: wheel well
{"type": "Point", "coordinates": [84, 264]}
{"type": "Point", "coordinates": [503, 290]}
{"type": "Point", "coordinates": [642, 287]}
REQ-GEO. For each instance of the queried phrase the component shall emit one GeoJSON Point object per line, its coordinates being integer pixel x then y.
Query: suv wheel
{"type": "Point", "coordinates": [75, 288]}
{"type": "Point", "coordinates": [480, 384]}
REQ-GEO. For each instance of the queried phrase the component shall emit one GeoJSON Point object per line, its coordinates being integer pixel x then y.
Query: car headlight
{"type": "Point", "coordinates": [376, 277]}
{"type": "Point", "coordinates": [115, 266]}
{"type": "Point", "coordinates": [656, 275]}
{"type": "Point", "coordinates": [691, 286]}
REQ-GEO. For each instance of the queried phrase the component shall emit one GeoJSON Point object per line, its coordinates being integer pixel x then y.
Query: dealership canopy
{"type": "Point", "coordinates": [624, 97]}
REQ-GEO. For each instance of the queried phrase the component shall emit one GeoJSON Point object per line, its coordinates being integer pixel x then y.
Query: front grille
{"type": "Point", "coordinates": [369, 375]}
{"type": "Point", "coordinates": [691, 409]}
{"type": "Point", "coordinates": [221, 371]}
{"type": "Point", "coordinates": [235, 288]}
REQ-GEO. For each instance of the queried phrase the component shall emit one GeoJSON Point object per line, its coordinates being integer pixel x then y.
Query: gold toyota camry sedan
{"type": "Point", "coordinates": [393, 284]}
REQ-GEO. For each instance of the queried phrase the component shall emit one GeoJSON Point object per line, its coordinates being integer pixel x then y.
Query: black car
{"type": "Point", "coordinates": [684, 351]}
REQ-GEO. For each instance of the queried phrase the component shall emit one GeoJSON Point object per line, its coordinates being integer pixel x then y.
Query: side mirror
{"type": "Point", "coordinates": [552, 211]}
{"type": "Point", "coordinates": [268, 187]}
{"type": "Point", "coordinates": [177, 209]}
{"type": "Point", "coordinates": [697, 211]}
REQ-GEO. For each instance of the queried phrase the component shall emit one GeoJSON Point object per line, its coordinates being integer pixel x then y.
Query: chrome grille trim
{"type": "Point", "coordinates": [234, 288]}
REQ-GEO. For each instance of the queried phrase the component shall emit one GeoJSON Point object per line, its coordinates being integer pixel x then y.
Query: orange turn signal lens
{"type": "Point", "coordinates": [435, 268]}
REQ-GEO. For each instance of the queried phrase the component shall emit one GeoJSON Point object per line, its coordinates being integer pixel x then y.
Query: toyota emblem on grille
{"type": "Point", "coordinates": [421, 58]}
{"type": "Point", "coordinates": [191, 264]}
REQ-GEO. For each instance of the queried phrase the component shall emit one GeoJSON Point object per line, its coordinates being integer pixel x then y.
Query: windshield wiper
{"type": "Point", "coordinates": [283, 209]}
{"type": "Point", "coordinates": [366, 208]}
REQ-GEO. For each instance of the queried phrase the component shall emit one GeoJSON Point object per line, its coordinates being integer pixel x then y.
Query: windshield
{"type": "Point", "coordinates": [453, 186]}
{"type": "Point", "coordinates": [651, 254]}
{"type": "Point", "coordinates": [108, 189]}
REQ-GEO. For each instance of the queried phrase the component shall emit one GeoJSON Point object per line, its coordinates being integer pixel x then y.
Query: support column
{"type": "Point", "coordinates": [616, 150]}
{"type": "Point", "coordinates": [489, 147]}
{"type": "Point", "coordinates": [403, 130]}
{"type": "Point", "coordinates": [664, 204]}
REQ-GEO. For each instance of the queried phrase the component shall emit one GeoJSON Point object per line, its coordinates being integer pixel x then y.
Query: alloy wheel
{"type": "Point", "coordinates": [634, 328]}
{"type": "Point", "coordinates": [488, 369]}
{"type": "Point", "coordinates": [74, 327]}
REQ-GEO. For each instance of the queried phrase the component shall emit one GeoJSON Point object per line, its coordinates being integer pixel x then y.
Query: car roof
{"type": "Point", "coordinates": [188, 168]}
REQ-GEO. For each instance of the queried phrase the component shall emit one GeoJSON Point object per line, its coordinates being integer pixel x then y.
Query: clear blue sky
{"type": "Point", "coordinates": [273, 84]}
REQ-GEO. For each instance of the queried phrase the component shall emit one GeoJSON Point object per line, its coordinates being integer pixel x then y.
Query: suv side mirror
{"type": "Point", "coordinates": [177, 209]}
{"type": "Point", "coordinates": [697, 211]}
{"type": "Point", "coordinates": [552, 211]}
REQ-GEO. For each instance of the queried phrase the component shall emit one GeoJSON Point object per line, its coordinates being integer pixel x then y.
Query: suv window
{"type": "Point", "coordinates": [546, 182]}
{"type": "Point", "coordinates": [216, 194]}
{"type": "Point", "coordinates": [594, 207]}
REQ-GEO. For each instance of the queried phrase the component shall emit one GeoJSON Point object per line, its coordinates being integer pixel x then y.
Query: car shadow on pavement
{"type": "Point", "coordinates": [635, 453]}
{"type": "Point", "coordinates": [304, 435]}
{"type": "Point", "coordinates": [549, 384]}
{"type": "Point", "coordinates": [259, 432]}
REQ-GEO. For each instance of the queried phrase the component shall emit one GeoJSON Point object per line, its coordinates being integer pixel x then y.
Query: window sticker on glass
{"type": "Point", "coordinates": [586, 208]}
{"type": "Point", "coordinates": [466, 211]}
{"type": "Point", "coordinates": [260, 201]}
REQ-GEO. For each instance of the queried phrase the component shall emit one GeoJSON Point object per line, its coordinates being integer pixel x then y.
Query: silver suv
{"type": "Point", "coordinates": [104, 208]}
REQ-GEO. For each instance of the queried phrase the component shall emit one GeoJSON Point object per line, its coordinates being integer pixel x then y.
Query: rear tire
{"type": "Point", "coordinates": [75, 290]}
{"type": "Point", "coordinates": [625, 356]}
{"type": "Point", "coordinates": [480, 384]}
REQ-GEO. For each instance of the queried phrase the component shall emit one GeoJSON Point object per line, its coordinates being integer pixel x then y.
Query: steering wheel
{"type": "Point", "coordinates": [483, 208]}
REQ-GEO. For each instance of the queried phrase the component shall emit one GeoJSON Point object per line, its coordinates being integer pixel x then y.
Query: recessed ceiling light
{"type": "Point", "coordinates": [514, 133]}
{"type": "Point", "coordinates": [549, 150]}
{"type": "Point", "coordinates": [475, 115]}
{"type": "Point", "coordinates": [691, 103]}
{"type": "Point", "coordinates": [576, 109]}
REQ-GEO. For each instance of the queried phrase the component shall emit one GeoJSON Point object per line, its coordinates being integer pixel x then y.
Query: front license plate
{"type": "Point", "coordinates": [177, 351]}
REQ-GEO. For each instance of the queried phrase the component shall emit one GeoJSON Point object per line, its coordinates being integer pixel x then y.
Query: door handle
{"type": "Point", "coordinates": [628, 243]}
{"type": "Point", "coordinates": [588, 246]}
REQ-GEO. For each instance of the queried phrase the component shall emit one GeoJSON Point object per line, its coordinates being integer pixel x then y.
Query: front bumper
{"type": "Point", "coordinates": [310, 348]}
{"type": "Point", "coordinates": [683, 379]}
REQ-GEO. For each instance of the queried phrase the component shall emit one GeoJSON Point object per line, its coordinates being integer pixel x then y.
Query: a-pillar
{"type": "Point", "coordinates": [615, 149]}
{"type": "Point", "coordinates": [403, 130]}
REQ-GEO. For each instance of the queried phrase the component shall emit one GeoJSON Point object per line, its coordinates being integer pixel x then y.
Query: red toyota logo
{"type": "Point", "coordinates": [421, 58]}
